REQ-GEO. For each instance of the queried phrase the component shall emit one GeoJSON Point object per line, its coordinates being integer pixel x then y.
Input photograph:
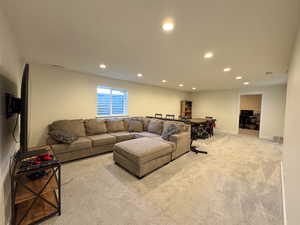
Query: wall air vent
{"type": "Point", "coordinates": [269, 73]}
{"type": "Point", "coordinates": [57, 66]}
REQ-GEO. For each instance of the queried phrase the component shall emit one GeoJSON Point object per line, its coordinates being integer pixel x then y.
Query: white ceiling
{"type": "Point", "coordinates": [252, 37]}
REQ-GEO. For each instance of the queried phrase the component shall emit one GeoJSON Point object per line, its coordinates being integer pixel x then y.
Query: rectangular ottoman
{"type": "Point", "coordinates": [142, 155]}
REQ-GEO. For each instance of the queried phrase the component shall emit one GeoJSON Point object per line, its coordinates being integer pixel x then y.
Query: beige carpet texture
{"type": "Point", "coordinates": [237, 183]}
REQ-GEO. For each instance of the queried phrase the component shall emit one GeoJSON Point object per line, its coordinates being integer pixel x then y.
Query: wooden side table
{"type": "Point", "coordinates": [35, 200]}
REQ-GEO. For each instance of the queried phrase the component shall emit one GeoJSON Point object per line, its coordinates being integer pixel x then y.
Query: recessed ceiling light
{"type": "Point", "coordinates": [238, 78]}
{"type": "Point", "coordinates": [194, 88]}
{"type": "Point", "coordinates": [208, 55]}
{"type": "Point", "coordinates": [140, 75]}
{"type": "Point", "coordinates": [180, 85]}
{"type": "Point", "coordinates": [168, 26]}
{"type": "Point", "coordinates": [164, 81]}
{"type": "Point", "coordinates": [102, 66]}
{"type": "Point", "coordinates": [246, 83]}
{"type": "Point", "coordinates": [227, 69]}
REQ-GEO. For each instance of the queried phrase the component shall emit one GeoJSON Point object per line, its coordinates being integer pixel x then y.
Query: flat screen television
{"type": "Point", "coordinates": [19, 106]}
{"type": "Point", "coordinates": [24, 111]}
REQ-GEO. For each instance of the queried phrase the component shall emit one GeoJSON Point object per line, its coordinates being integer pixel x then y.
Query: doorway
{"type": "Point", "coordinates": [250, 114]}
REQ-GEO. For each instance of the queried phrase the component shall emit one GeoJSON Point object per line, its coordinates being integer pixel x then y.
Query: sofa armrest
{"type": "Point", "coordinates": [182, 143]}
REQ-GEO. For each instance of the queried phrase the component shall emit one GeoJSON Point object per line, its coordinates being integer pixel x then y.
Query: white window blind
{"type": "Point", "coordinates": [111, 102]}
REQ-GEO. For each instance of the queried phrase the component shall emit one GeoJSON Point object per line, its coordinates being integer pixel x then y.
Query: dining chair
{"type": "Point", "coordinates": [158, 115]}
{"type": "Point", "coordinates": [210, 128]}
{"type": "Point", "coordinates": [170, 116]}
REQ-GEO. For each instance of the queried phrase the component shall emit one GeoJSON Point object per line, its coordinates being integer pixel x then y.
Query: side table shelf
{"type": "Point", "coordinates": [35, 200]}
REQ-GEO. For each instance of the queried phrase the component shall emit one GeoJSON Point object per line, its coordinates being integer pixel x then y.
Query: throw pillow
{"type": "Point", "coordinates": [62, 136]}
{"type": "Point", "coordinates": [135, 126]}
{"type": "Point", "coordinates": [180, 125]}
{"type": "Point", "coordinates": [155, 126]}
{"type": "Point", "coordinates": [169, 131]}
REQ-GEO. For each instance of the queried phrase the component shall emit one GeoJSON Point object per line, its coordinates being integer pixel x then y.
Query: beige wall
{"type": "Point", "coordinates": [10, 67]}
{"type": "Point", "coordinates": [250, 102]}
{"type": "Point", "coordinates": [291, 154]}
{"type": "Point", "coordinates": [58, 94]}
{"type": "Point", "coordinates": [224, 106]}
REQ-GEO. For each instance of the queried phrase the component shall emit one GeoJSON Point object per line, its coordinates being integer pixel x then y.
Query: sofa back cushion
{"type": "Point", "coordinates": [126, 123]}
{"type": "Point", "coordinates": [115, 125]}
{"type": "Point", "coordinates": [74, 127]}
{"type": "Point", "coordinates": [187, 127]}
{"type": "Point", "coordinates": [155, 126]}
{"type": "Point", "coordinates": [135, 126]}
{"type": "Point", "coordinates": [95, 126]}
{"type": "Point", "coordinates": [144, 120]}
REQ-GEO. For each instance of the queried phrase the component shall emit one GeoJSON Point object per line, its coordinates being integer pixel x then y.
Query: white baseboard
{"type": "Point", "coordinates": [283, 195]}
{"type": "Point", "coordinates": [270, 138]}
{"type": "Point", "coordinates": [225, 131]}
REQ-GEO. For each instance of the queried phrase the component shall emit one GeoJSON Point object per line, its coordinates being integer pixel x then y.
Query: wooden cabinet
{"type": "Point", "coordinates": [186, 109]}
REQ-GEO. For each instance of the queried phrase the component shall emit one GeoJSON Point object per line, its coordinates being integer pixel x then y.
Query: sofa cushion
{"type": "Point", "coordinates": [62, 136]}
{"type": "Point", "coordinates": [172, 144]}
{"type": "Point", "coordinates": [155, 126]}
{"type": "Point", "coordinates": [144, 120]}
{"type": "Point", "coordinates": [75, 127]}
{"type": "Point", "coordinates": [95, 126]}
{"type": "Point", "coordinates": [142, 150]}
{"type": "Point", "coordinates": [135, 126]}
{"type": "Point", "coordinates": [114, 125]}
{"type": "Point", "coordinates": [51, 141]}
{"type": "Point", "coordinates": [102, 139]}
{"type": "Point", "coordinates": [81, 143]}
{"type": "Point", "coordinates": [123, 136]}
{"type": "Point", "coordinates": [126, 123]}
{"type": "Point", "coordinates": [144, 134]}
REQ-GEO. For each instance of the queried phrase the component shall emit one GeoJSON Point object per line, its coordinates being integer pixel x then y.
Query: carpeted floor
{"type": "Point", "coordinates": [249, 132]}
{"type": "Point", "coordinates": [237, 183]}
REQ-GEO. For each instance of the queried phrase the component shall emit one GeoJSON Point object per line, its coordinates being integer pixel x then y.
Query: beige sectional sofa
{"type": "Point", "coordinates": [147, 152]}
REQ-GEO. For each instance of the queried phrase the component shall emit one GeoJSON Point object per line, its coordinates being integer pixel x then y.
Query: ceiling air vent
{"type": "Point", "coordinates": [57, 66]}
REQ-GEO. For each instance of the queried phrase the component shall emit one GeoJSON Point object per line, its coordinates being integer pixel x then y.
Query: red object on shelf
{"type": "Point", "coordinates": [36, 162]}
{"type": "Point", "coordinates": [46, 157]}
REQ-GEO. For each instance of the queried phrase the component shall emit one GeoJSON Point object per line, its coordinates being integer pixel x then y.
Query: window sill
{"type": "Point", "coordinates": [112, 116]}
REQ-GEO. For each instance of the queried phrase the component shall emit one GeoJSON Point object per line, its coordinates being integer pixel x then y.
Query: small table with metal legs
{"type": "Point", "coordinates": [194, 149]}
{"type": "Point", "coordinates": [194, 136]}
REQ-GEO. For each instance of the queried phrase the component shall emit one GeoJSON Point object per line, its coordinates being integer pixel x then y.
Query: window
{"type": "Point", "coordinates": [111, 102]}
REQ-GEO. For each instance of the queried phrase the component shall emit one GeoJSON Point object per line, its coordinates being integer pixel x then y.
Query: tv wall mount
{"type": "Point", "coordinates": [13, 105]}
